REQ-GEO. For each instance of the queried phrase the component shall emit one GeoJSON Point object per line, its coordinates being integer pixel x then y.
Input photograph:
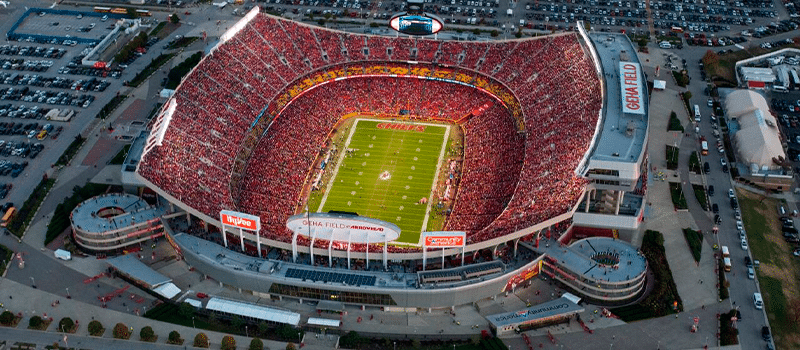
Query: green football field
{"type": "Point", "coordinates": [384, 173]}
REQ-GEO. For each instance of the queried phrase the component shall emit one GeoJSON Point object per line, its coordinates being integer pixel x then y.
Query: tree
{"type": "Point", "coordinates": [35, 322]}
{"type": "Point", "coordinates": [263, 328]}
{"type": "Point", "coordinates": [147, 333]}
{"type": "Point", "coordinates": [237, 322]}
{"type": "Point", "coordinates": [95, 328]}
{"type": "Point", "coordinates": [228, 343]}
{"type": "Point", "coordinates": [66, 324]}
{"type": "Point", "coordinates": [174, 338]}
{"type": "Point", "coordinates": [290, 346]}
{"type": "Point", "coordinates": [287, 332]}
{"type": "Point", "coordinates": [201, 340]}
{"type": "Point", "coordinates": [186, 310]}
{"type": "Point", "coordinates": [121, 331]}
{"type": "Point", "coordinates": [351, 340]}
{"type": "Point", "coordinates": [6, 318]}
{"type": "Point", "coordinates": [495, 33]}
{"type": "Point", "coordinates": [131, 12]}
{"type": "Point", "coordinates": [174, 19]}
{"type": "Point", "coordinates": [710, 58]}
{"type": "Point", "coordinates": [256, 344]}
{"type": "Point", "coordinates": [642, 42]}
{"type": "Point", "coordinates": [794, 310]}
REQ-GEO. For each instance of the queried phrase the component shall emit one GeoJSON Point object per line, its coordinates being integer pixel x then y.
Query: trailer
{"type": "Point", "coordinates": [62, 254]}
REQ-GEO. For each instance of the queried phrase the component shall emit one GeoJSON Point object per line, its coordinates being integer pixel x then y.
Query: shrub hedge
{"type": "Point", "coordinates": [695, 241]}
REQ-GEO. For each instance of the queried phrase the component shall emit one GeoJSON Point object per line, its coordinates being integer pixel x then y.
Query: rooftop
{"type": "Point", "coordinates": [557, 307]}
{"type": "Point", "coordinates": [113, 211]}
{"type": "Point", "coordinates": [622, 135]}
{"type": "Point", "coordinates": [600, 258]}
{"type": "Point", "coordinates": [130, 265]}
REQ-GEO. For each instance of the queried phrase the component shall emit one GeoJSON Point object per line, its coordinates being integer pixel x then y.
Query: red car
{"type": "Point", "coordinates": [202, 295]}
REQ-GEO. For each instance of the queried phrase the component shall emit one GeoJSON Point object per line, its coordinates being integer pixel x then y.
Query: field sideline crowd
{"type": "Point", "coordinates": [513, 176]}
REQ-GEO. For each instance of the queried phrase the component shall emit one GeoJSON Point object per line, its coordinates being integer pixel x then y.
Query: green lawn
{"type": "Point", "coordinates": [757, 228]}
{"type": "Point", "coordinates": [700, 194]}
{"type": "Point", "coordinates": [409, 157]}
{"type": "Point", "coordinates": [678, 198]}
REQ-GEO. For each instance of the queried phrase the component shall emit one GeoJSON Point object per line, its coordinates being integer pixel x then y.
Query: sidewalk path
{"type": "Point", "coordinates": [84, 313]}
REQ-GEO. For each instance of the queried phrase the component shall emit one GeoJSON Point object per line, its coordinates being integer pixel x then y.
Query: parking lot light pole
{"type": "Point", "coordinates": [193, 326]}
{"type": "Point", "coordinates": [68, 296]}
{"type": "Point", "coordinates": [33, 282]}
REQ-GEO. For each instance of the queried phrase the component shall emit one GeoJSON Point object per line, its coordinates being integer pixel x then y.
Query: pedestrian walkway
{"type": "Point", "coordinates": [27, 297]}
{"type": "Point", "coordinates": [696, 282]}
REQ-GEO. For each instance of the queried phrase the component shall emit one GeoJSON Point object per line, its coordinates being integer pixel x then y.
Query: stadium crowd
{"type": "Point", "coordinates": [513, 175]}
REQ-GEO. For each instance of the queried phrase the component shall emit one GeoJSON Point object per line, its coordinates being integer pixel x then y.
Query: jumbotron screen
{"type": "Point", "coordinates": [415, 25]}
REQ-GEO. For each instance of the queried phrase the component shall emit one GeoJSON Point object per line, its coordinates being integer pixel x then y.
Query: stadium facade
{"type": "Point", "coordinates": [576, 102]}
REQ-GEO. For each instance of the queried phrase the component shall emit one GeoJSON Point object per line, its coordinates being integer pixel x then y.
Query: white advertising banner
{"type": "Point", "coordinates": [630, 82]}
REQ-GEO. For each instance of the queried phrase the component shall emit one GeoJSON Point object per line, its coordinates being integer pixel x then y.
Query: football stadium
{"type": "Point", "coordinates": [310, 163]}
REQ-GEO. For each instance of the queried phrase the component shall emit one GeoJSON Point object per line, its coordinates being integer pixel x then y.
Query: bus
{"type": "Point", "coordinates": [119, 11]}
{"type": "Point", "coordinates": [697, 113]}
{"type": "Point", "coordinates": [8, 216]}
{"type": "Point", "coordinates": [102, 9]}
{"type": "Point", "coordinates": [143, 13]}
{"type": "Point", "coordinates": [795, 79]}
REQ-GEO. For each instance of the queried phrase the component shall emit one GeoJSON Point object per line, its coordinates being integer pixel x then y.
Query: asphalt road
{"type": "Point", "coordinates": [741, 288]}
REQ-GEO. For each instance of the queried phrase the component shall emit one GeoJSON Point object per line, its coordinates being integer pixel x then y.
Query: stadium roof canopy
{"type": "Point", "coordinates": [325, 322]}
{"type": "Point", "coordinates": [253, 311]}
{"type": "Point", "coordinates": [167, 290]}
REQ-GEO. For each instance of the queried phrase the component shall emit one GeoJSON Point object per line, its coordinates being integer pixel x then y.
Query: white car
{"type": "Point", "coordinates": [751, 274]}
{"type": "Point", "coordinates": [742, 235]}
{"type": "Point", "coordinates": [739, 225]}
{"type": "Point", "coordinates": [758, 302]}
{"type": "Point", "coordinates": [731, 194]}
{"type": "Point", "coordinates": [723, 162]}
{"type": "Point", "coordinates": [744, 245]}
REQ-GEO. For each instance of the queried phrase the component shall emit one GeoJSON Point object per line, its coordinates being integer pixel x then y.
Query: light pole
{"type": "Point", "coordinates": [299, 340]}
{"type": "Point", "coordinates": [68, 296]}
{"type": "Point", "coordinates": [245, 332]}
{"type": "Point", "coordinates": [193, 326]}
{"type": "Point", "coordinates": [33, 282]}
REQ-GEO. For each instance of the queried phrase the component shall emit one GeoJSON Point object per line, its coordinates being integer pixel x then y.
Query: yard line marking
{"type": "Point", "coordinates": [435, 178]}
{"type": "Point", "coordinates": [338, 163]}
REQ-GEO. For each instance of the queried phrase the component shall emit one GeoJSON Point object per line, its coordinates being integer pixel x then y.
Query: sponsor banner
{"type": "Point", "coordinates": [560, 307]}
{"type": "Point", "coordinates": [444, 239]}
{"type": "Point", "coordinates": [356, 229]}
{"type": "Point", "coordinates": [630, 82]}
{"type": "Point", "coordinates": [240, 220]}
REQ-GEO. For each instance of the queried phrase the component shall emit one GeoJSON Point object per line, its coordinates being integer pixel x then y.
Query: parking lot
{"type": "Point", "coordinates": [46, 96]}
{"type": "Point", "coordinates": [787, 111]}
{"type": "Point", "coordinates": [86, 26]}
